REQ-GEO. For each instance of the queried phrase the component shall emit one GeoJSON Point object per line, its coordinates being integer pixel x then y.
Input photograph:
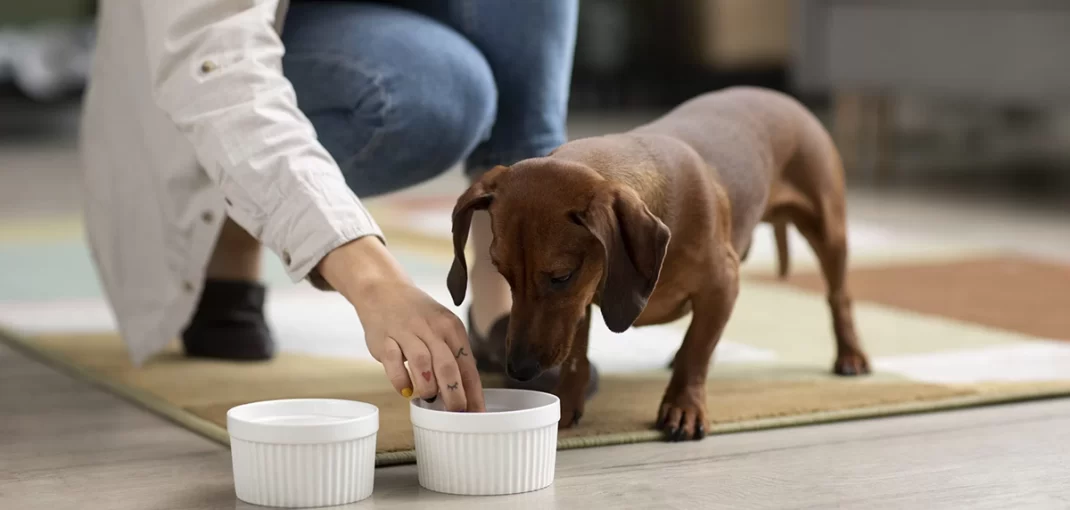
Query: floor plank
{"type": "Point", "coordinates": [65, 444]}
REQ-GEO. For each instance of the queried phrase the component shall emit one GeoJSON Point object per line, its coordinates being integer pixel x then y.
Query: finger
{"type": "Point", "coordinates": [672, 427]}
{"type": "Point", "coordinates": [457, 339]}
{"type": "Point", "coordinates": [687, 425]}
{"type": "Point", "coordinates": [419, 358]}
{"type": "Point", "coordinates": [450, 387]}
{"type": "Point", "coordinates": [394, 363]}
{"type": "Point", "coordinates": [700, 430]}
{"type": "Point", "coordinates": [663, 416]}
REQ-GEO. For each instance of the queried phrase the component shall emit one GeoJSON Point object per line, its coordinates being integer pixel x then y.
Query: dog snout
{"type": "Point", "coordinates": [522, 366]}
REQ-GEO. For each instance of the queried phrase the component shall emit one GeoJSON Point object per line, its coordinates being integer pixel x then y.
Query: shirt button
{"type": "Point", "coordinates": [228, 202]}
{"type": "Point", "coordinates": [286, 258]}
{"type": "Point", "coordinates": [207, 216]}
{"type": "Point", "coordinates": [187, 286]}
{"type": "Point", "coordinates": [208, 66]}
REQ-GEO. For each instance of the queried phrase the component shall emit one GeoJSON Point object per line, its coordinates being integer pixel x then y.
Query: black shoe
{"type": "Point", "coordinates": [490, 358]}
{"type": "Point", "coordinates": [229, 323]}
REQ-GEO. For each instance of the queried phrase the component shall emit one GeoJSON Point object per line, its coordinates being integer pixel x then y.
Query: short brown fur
{"type": "Point", "coordinates": [590, 224]}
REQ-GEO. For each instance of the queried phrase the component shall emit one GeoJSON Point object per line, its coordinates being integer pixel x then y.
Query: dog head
{"type": "Point", "coordinates": [564, 237]}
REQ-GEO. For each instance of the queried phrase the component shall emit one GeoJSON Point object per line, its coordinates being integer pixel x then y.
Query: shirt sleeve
{"type": "Point", "coordinates": [216, 70]}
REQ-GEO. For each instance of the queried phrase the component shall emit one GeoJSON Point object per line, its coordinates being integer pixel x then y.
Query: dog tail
{"type": "Point", "coordinates": [780, 231]}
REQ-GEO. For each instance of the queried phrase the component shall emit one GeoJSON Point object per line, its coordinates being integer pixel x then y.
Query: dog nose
{"type": "Point", "coordinates": [523, 369]}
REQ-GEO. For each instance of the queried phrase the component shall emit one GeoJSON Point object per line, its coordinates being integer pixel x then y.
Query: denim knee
{"type": "Point", "coordinates": [409, 99]}
{"type": "Point", "coordinates": [529, 46]}
{"type": "Point", "coordinates": [431, 120]}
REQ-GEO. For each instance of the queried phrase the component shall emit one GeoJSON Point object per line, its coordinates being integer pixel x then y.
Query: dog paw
{"type": "Point", "coordinates": [682, 417]}
{"type": "Point", "coordinates": [570, 417]}
{"type": "Point", "coordinates": [572, 390]}
{"type": "Point", "coordinates": [571, 410]}
{"type": "Point", "coordinates": [572, 404]}
{"type": "Point", "coordinates": [851, 364]}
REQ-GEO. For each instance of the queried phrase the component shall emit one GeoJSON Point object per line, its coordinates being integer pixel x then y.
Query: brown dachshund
{"type": "Point", "coordinates": [591, 222]}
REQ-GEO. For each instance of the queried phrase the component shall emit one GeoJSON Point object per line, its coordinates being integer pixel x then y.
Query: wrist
{"type": "Point", "coordinates": [359, 264]}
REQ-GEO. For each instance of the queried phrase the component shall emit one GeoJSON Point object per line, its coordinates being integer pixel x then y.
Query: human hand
{"type": "Point", "coordinates": [402, 323]}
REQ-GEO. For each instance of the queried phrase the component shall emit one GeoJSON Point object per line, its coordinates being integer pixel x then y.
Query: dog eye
{"type": "Point", "coordinates": [561, 279]}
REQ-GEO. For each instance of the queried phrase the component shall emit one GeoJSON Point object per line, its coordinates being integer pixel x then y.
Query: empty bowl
{"type": "Point", "coordinates": [304, 452]}
{"type": "Point", "coordinates": [509, 449]}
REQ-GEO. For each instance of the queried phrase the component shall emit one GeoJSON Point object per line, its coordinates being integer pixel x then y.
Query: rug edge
{"type": "Point", "coordinates": [186, 419]}
{"type": "Point", "coordinates": [139, 398]}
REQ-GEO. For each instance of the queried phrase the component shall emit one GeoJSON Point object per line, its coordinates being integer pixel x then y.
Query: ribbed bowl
{"type": "Point", "coordinates": [510, 449]}
{"type": "Point", "coordinates": [303, 453]}
{"type": "Point", "coordinates": [302, 476]}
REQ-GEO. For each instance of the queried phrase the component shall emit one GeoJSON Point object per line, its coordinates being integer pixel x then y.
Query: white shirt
{"type": "Point", "coordinates": [188, 119]}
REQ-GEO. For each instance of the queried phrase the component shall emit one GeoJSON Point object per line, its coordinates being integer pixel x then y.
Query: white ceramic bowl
{"type": "Point", "coordinates": [303, 453]}
{"type": "Point", "coordinates": [509, 449]}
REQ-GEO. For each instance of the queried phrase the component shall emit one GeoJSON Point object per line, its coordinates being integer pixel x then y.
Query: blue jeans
{"type": "Point", "coordinates": [400, 91]}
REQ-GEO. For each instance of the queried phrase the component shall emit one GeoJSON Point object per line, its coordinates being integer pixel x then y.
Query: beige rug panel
{"type": "Point", "coordinates": [198, 393]}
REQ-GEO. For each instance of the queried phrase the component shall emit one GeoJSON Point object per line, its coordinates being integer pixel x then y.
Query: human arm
{"type": "Point", "coordinates": [216, 71]}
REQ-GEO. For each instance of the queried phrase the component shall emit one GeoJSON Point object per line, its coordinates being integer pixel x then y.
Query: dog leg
{"type": "Point", "coordinates": [682, 415]}
{"type": "Point", "coordinates": [575, 376]}
{"type": "Point", "coordinates": [828, 239]}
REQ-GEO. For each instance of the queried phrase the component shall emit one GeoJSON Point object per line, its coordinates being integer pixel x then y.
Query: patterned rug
{"type": "Point", "coordinates": [945, 328]}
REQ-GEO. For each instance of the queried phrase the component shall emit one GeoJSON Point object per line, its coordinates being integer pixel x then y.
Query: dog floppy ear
{"type": "Point", "coordinates": [634, 243]}
{"type": "Point", "coordinates": [478, 197]}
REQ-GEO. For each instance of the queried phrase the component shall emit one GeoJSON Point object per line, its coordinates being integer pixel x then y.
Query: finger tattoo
{"type": "Point", "coordinates": [460, 352]}
{"type": "Point", "coordinates": [452, 386]}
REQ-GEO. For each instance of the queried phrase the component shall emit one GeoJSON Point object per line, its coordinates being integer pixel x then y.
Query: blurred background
{"type": "Point", "coordinates": [946, 111]}
{"type": "Point", "coordinates": [953, 120]}
{"type": "Point", "coordinates": [959, 95]}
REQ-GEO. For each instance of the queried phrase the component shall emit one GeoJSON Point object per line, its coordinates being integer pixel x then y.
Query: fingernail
{"type": "Point", "coordinates": [407, 392]}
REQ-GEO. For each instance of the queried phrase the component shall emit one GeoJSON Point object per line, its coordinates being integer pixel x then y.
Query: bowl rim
{"type": "Point", "coordinates": [244, 421]}
{"type": "Point", "coordinates": [549, 413]}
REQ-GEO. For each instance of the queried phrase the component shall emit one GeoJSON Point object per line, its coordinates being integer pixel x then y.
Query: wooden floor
{"type": "Point", "coordinates": [64, 444]}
